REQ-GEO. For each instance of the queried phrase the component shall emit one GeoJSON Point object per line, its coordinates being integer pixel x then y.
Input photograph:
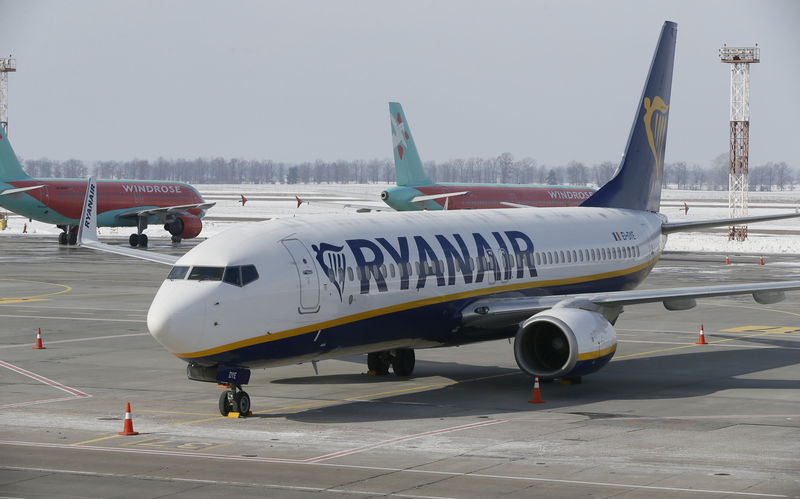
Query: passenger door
{"type": "Point", "coordinates": [306, 273]}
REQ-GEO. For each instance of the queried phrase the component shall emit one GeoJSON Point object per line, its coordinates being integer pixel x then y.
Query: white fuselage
{"type": "Point", "coordinates": [335, 285]}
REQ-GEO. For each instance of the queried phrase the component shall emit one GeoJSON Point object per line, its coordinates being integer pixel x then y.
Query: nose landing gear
{"type": "Point", "coordinates": [401, 360]}
{"type": "Point", "coordinates": [234, 400]}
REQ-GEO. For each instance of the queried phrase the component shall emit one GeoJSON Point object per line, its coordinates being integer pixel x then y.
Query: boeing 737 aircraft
{"type": "Point", "coordinates": [303, 289]}
{"type": "Point", "coordinates": [122, 203]}
{"type": "Point", "coordinates": [415, 191]}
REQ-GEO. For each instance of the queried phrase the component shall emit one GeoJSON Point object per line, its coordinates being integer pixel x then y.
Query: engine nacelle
{"type": "Point", "coordinates": [185, 226]}
{"type": "Point", "coordinates": [563, 342]}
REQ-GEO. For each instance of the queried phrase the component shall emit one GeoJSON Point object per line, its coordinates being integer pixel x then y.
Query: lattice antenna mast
{"type": "Point", "coordinates": [7, 65]}
{"type": "Point", "coordinates": [740, 59]}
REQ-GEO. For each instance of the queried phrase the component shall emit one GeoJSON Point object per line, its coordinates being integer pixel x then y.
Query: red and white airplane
{"type": "Point", "coordinates": [120, 203]}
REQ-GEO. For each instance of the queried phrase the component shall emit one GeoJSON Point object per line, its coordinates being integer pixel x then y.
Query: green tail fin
{"type": "Point", "coordinates": [407, 165]}
{"type": "Point", "coordinates": [10, 169]}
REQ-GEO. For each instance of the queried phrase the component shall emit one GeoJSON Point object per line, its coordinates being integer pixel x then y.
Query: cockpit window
{"type": "Point", "coordinates": [178, 272]}
{"type": "Point", "coordinates": [206, 273]}
{"type": "Point", "coordinates": [249, 274]}
{"type": "Point", "coordinates": [232, 276]}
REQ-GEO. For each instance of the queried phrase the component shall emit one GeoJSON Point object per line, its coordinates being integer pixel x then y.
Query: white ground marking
{"type": "Point", "coordinates": [380, 468]}
{"type": "Point", "coordinates": [47, 381]}
{"type": "Point", "coordinates": [63, 318]}
{"type": "Point", "coordinates": [49, 342]}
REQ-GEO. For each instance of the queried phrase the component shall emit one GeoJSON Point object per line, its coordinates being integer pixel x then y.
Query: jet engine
{"type": "Point", "coordinates": [564, 342]}
{"type": "Point", "coordinates": [185, 226]}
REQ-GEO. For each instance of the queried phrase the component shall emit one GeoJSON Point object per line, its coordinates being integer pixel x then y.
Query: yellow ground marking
{"type": "Point", "coordinates": [692, 345]}
{"type": "Point", "coordinates": [21, 299]}
{"type": "Point", "coordinates": [96, 439]}
{"type": "Point", "coordinates": [354, 398]}
{"type": "Point", "coordinates": [176, 412]}
{"type": "Point", "coordinates": [762, 329]}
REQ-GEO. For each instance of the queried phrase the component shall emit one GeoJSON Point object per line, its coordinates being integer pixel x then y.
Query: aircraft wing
{"type": "Point", "coordinates": [19, 190]}
{"type": "Point", "coordinates": [87, 232]}
{"type": "Point", "coordinates": [667, 228]}
{"type": "Point", "coordinates": [345, 205]}
{"type": "Point", "coordinates": [504, 312]}
{"type": "Point", "coordinates": [165, 210]}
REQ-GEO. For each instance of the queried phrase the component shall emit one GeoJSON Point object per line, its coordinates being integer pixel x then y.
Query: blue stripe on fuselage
{"type": "Point", "coordinates": [437, 323]}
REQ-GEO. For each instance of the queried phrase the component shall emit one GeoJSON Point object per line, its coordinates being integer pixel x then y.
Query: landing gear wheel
{"type": "Point", "coordinates": [176, 239]}
{"type": "Point", "coordinates": [241, 401]}
{"type": "Point", "coordinates": [62, 238]}
{"type": "Point", "coordinates": [378, 362]}
{"type": "Point", "coordinates": [73, 236]}
{"type": "Point", "coordinates": [142, 240]}
{"type": "Point", "coordinates": [224, 403]}
{"type": "Point", "coordinates": [403, 362]}
{"type": "Point", "coordinates": [134, 240]}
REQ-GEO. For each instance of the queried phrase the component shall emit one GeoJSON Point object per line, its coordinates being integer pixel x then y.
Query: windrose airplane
{"type": "Point", "coordinates": [415, 191]}
{"type": "Point", "coordinates": [324, 286]}
{"type": "Point", "coordinates": [122, 203]}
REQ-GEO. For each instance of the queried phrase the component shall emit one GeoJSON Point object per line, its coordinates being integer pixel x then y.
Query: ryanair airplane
{"type": "Point", "coordinates": [317, 287]}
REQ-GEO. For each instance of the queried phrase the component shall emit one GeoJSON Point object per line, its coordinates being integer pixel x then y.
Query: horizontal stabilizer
{"type": "Point", "coordinates": [669, 228]}
{"type": "Point", "coordinates": [431, 197]}
{"type": "Point", "coordinates": [19, 190]}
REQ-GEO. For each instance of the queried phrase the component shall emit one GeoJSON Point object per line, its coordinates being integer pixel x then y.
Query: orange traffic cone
{"type": "Point", "coordinates": [127, 426]}
{"type": "Point", "coordinates": [38, 345]}
{"type": "Point", "coordinates": [537, 397]}
{"type": "Point", "coordinates": [761, 260]}
{"type": "Point", "coordinates": [727, 260]}
{"type": "Point", "coordinates": [702, 339]}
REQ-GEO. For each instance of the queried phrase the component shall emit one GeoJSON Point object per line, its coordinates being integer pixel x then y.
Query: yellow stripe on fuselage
{"type": "Point", "coordinates": [408, 306]}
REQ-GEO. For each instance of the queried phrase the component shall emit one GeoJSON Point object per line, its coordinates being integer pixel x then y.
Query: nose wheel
{"type": "Point", "coordinates": [234, 400]}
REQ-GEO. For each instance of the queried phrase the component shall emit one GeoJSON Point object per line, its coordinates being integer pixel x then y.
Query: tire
{"type": "Point", "coordinates": [73, 237]}
{"type": "Point", "coordinates": [224, 405]}
{"type": "Point", "coordinates": [133, 240]}
{"type": "Point", "coordinates": [176, 239]}
{"type": "Point", "coordinates": [378, 362]}
{"type": "Point", "coordinates": [62, 238]}
{"type": "Point", "coordinates": [241, 403]}
{"type": "Point", "coordinates": [403, 362]}
{"type": "Point", "coordinates": [143, 241]}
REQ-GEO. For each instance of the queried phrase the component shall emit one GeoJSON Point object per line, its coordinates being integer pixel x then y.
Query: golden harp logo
{"type": "Point", "coordinates": [655, 123]}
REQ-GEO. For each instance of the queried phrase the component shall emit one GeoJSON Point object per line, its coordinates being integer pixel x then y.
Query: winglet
{"type": "Point", "coordinates": [87, 230]}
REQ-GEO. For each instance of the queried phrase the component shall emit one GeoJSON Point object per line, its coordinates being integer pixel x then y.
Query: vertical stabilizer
{"type": "Point", "coordinates": [637, 183]}
{"type": "Point", "coordinates": [407, 165]}
{"type": "Point", "coordinates": [10, 169]}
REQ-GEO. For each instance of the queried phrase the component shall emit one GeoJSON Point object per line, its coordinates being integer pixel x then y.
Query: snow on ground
{"type": "Point", "coordinates": [270, 200]}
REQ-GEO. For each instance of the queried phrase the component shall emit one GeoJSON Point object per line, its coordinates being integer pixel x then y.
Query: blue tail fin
{"type": "Point", "coordinates": [637, 183]}
{"type": "Point", "coordinates": [407, 165]}
{"type": "Point", "coordinates": [10, 169]}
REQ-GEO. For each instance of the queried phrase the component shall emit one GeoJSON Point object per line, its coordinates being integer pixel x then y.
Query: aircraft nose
{"type": "Point", "coordinates": [175, 323]}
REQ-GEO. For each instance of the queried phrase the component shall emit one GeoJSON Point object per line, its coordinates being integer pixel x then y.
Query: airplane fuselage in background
{"type": "Point", "coordinates": [484, 196]}
{"type": "Point", "coordinates": [60, 201]}
{"type": "Point", "coordinates": [332, 285]}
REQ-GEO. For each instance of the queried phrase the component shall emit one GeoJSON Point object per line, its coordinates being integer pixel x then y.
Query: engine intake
{"type": "Point", "coordinates": [185, 226]}
{"type": "Point", "coordinates": [563, 342]}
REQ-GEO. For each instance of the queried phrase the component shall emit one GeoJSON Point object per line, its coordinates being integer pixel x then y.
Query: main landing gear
{"type": "Point", "coordinates": [68, 236]}
{"type": "Point", "coordinates": [139, 239]}
{"type": "Point", "coordinates": [234, 400]}
{"type": "Point", "coordinates": [401, 360]}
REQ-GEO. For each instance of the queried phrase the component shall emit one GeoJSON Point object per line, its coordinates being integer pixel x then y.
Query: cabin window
{"type": "Point", "coordinates": [349, 273]}
{"type": "Point", "coordinates": [538, 259]}
{"type": "Point", "coordinates": [419, 269]}
{"type": "Point", "coordinates": [391, 269]}
{"type": "Point", "coordinates": [383, 270]}
{"type": "Point", "coordinates": [569, 257]}
{"type": "Point", "coordinates": [178, 272]}
{"type": "Point", "coordinates": [206, 273]}
{"type": "Point", "coordinates": [563, 260]}
{"type": "Point", "coordinates": [359, 273]}
{"type": "Point", "coordinates": [574, 256]}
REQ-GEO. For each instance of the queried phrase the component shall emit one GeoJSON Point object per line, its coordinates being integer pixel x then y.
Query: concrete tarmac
{"type": "Point", "coordinates": [666, 418]}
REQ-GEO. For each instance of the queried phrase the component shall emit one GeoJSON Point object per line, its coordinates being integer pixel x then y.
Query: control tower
{"type": "Point", "coordinates": [739, 59]}
{"type": "Point", "coordinates": [7, 65]}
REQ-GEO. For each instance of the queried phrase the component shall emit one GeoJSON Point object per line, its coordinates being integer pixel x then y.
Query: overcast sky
{"type": "Point", "coordinates": [300, 80]}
